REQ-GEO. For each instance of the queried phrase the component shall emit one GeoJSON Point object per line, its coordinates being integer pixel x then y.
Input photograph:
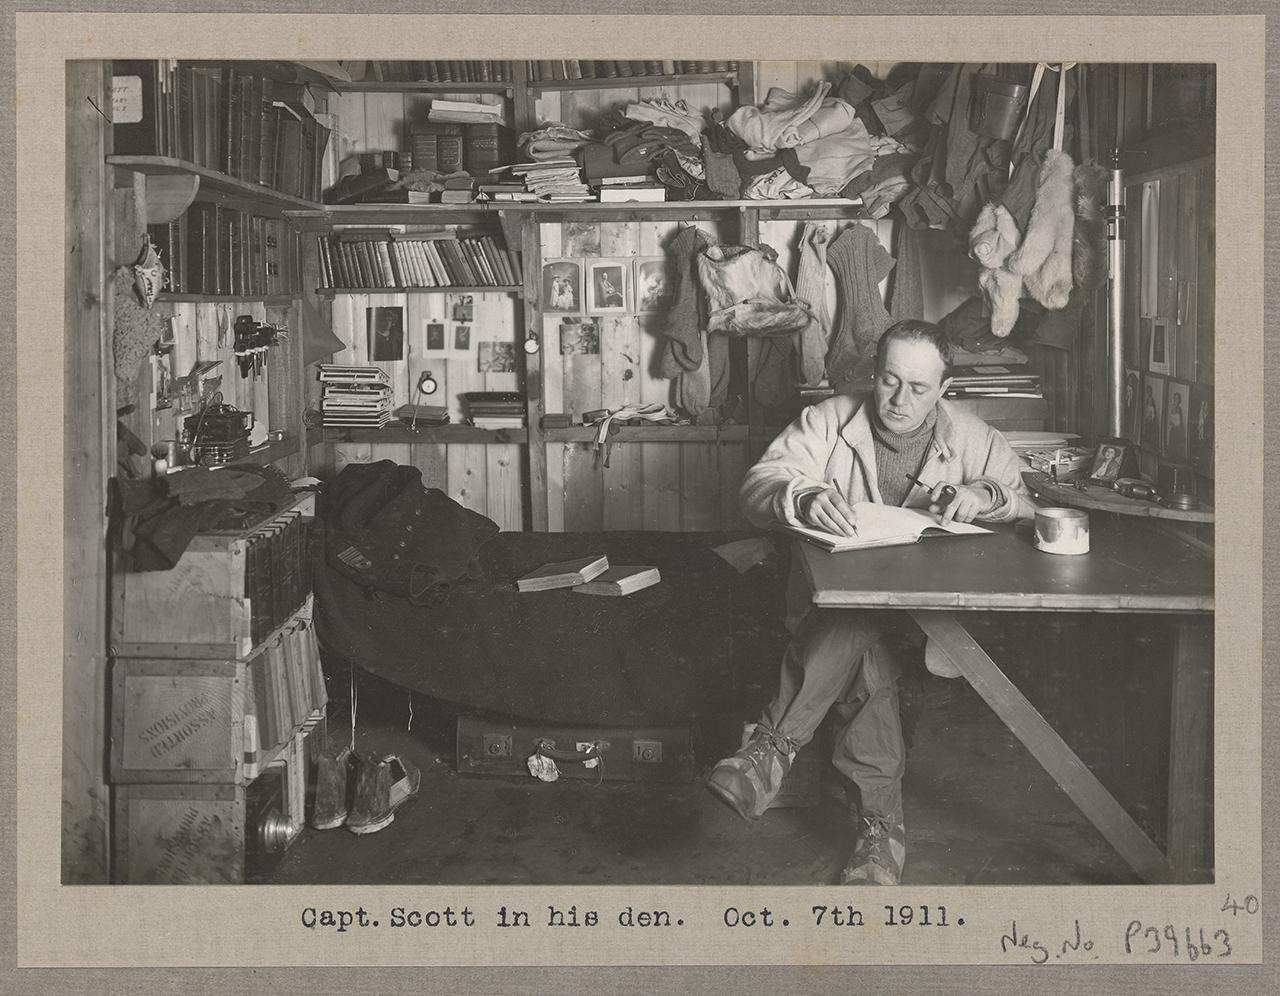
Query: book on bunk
{"type": "Point", "coordinates": [618, 581]}
{"type": "Point", "coordinates": [566, 574]}
{"type": "Point", "coordinates": [886, 525]}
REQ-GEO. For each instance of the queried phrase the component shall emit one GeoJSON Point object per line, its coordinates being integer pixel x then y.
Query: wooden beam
{"type": "Point", "coordinates": [1059, 760]}
{"type": "Point", "coordinates": [534, 387]}
{"type": "Point", "coordinates": [89, 457]}
{"type": "Point", "coordinates": [1190, 829]}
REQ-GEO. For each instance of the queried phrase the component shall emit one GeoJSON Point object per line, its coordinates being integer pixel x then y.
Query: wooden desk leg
{"type": "Point", "coordinates": [1059, 760]}
{"type": "Point", "coordinates": [1190, 828]}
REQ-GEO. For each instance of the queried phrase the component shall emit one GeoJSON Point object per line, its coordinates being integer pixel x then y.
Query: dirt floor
{"type": "Point", "coordinates": [979, 809]}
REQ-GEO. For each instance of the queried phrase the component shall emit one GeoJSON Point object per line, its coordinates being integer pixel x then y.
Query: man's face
{"type": "Point", "coordinates": [908, 384]}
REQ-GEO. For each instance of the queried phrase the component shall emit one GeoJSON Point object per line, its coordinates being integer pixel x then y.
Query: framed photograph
{"type": "Point", "coordinates": [579, 337]}
{"type": "Point", "coordinates": [1200, 432]}
{"type": "Point", "coordinates": [496, 357]}
{"type": "Point", "coordinates": [386, 333]}
{"type": "Point", "coordinates": [462, 308]}
{"type": "Point", "coordinates": [162, 381]}
{"type": "Point", "coordinates": [562, 285]}
{"type": "Point", "coordinates": [1160, 357]}
{"type": "Point", "coordinates": [1107, 462]}
{"type": "Point", "coordinates": [653, 288]}
{"type": "Point", "coordinates": [607, 287]}
{"type": "Point", "coordinates": [1177, 417]}
{"type": "Point", "coordinates": [581, 238]}
{"type": "Point", "coordinates": [1132, 403]}
{"type": "Point", "coordinates": [462, 338]}
{"type": "Point", "coordinates": [435, 335]}
{"type": "Point", "coordinates": [1152, 431]}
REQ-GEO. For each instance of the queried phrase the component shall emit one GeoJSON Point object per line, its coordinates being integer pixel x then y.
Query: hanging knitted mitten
{"type": "Point", "coordinates": [682, 324]}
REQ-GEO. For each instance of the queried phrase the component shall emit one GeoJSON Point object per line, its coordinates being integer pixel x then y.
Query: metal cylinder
{"type": "Point", "coordinates": [1115, 298]}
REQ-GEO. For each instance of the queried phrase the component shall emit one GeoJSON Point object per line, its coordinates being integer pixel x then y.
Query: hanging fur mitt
{"type": "Point", "coordinates": [1044, 258]}
{"type": "Point", "coordinates": [1089, 243]}
{"type": "Point", "coordinates": [993, 238]}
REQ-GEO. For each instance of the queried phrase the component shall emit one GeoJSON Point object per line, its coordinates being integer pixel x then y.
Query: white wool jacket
{"type": "Point", "coordinates": [832, 442]}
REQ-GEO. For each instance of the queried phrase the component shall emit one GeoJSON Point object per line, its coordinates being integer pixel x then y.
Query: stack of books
{"type": "Point", "coordinates": [617, 189]}
{"type": "Point", "coordinates": [464, 112]}
{"type": "Point", "coordinates": [354, 397]}
{"type": "Point", "coordinates": [590, 576]}
{"type": "Point", "coordinates": [369, 259]}
{"type": "Point", "coordinates": [1002, 380]}
{"type": "Point", "coordinates": [554, 180]}
{"type": "Point", "coordinates": [495, 409]}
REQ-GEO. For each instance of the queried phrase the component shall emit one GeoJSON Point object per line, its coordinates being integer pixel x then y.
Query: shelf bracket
{"type": "Point", "coordinates": [169, 195]}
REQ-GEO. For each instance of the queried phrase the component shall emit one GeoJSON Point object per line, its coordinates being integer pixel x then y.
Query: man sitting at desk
{"type": "Point", "coordinates": [839, 452]}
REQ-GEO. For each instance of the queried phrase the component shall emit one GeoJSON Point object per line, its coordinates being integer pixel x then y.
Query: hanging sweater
{"type": "Point", "coordinates": [858, 262]}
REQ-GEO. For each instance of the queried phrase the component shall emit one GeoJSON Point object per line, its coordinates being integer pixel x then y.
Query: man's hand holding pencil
{"type": "Point", "coordinates": [827, 509]}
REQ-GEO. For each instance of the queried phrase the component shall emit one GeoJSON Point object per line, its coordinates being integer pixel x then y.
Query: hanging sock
{"type": "Point", "coordinates": [811, 287]}
{"type": "Point", "coordinates": [683, 319]}
{"type": "Point", "coordinates": [775, 379]}
{"type": "Point", "coordinates": [718, 364]}
{"type": "Point", "coordinates": [693, 389]}
{"type": "Point", "coordinates": [858, 263]}
{"type": "Point", "coordinates": [907, 297]}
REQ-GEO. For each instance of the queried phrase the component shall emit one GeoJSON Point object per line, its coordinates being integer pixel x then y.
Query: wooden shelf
{"type": "Point", "coordinates": [633, 82]}
{"type": "Point", "coordinates": [227, 298]}
{"type": "Point", "coordinates": [423, 434]}
{"type": "Point", "coordinates": [653, 434]}
{"type": "Point", "coordinates": [210, 180]}
{"type": "Point", "coordinates": [502, 289]}
{"type": "Point", "coordinates": [1102, 499]}
{"type": "Point", "coordinates": [421, 86]}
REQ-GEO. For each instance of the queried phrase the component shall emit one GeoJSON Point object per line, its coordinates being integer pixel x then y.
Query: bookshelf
{"type": "Point", "coordinates": [450, 289]}
{"type": "Point", "coordinates": [211, 181]}
{"type": "Point", "coordinates": [729, 78]}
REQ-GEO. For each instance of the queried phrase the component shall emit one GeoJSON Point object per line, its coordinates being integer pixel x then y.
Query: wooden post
{"type": "Point", "coordinates": [89, 456]}
{"type": "Point", "coordinates": [531, 260]}
{"type": "Point", "coordinates": [1190, 829]}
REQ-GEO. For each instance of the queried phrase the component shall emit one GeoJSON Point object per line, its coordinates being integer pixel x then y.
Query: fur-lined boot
{"type": "Point", "coordinates": [993, 238]}
{"type": "Point", "coordinates": [1044, 258]}
{"type": "Point", "coordinates": [1089, 243]}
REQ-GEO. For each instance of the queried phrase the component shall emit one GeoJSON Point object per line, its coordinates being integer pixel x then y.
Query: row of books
{"type": "Point", "coordinates": [429, 260]}
{"type": "Point", "coordinates": [288, 687]}
{"type": "Point", "coordinates": [235, 121]}
{"type": "Point", "coordinates": [1004, 380]}
{"type": "Point", "coordinates": [211, 249]}
{"type": "Point", "coordinates": [542, 70]}
{"type": "Point", "coordinates": [277, 572]}
{"type": "Point", "coordinates": [354, 397]}
{"type": "Point", "coordinates": [494, 409]}
{"type": "Point", "coordinates": [439, 71]}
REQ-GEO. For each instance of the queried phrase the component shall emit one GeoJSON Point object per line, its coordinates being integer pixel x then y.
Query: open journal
{"type": "Point", "coordinates": [886, 525]}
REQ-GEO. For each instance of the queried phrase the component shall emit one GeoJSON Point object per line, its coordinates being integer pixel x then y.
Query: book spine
{"type": "Point", "coordinates": [391, 265]}
{"type": "Point", "coordinates": [140, 137]}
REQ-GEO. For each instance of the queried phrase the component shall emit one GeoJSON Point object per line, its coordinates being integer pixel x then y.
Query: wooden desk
{"type": "Point", "coordinates": [1130, 568]}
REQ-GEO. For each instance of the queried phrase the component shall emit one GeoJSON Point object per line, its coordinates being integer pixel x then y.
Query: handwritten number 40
{"type": "Point", "coordinates": [1249, 906]}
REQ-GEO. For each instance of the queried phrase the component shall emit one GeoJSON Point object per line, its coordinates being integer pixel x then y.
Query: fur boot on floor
{"type": "Point", "coordinates": [1044, 258]}
{"type": "Point", "coordinates": [993, 238]}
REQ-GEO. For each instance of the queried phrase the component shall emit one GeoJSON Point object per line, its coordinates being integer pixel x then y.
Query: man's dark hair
{"type": "Point", "coordinates": [912, 329]}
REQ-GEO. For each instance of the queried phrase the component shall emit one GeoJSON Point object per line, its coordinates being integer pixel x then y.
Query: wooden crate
{"type": "Point", "coordinates": [206, 722]}
{"type": "Point", "coordinates": [212, 834]}
{"type": "Point", "coordinates": [202, 607]}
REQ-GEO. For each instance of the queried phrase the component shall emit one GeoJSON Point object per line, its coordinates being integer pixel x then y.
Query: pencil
{"type": "Point", "coordinates": [840, 492]}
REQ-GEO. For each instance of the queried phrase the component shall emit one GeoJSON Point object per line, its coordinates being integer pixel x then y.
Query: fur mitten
{"type": "Point", "coordinates": [993, 238]}
{"type": "Point", "coordinates": [1089, 243]}
{"type": "Point", "coordinates": [1044, 258]}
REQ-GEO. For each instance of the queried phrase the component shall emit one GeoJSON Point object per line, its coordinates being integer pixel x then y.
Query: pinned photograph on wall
{"type": "Point", "coordinates": [386, 333]}
{"type": "Point", "coordinates": [462, 338]}
{"type": "Point", "coordinates": [1160, 359]}
{"type": "Point", "coordinates": [496, 357]}
{"type": "Point", "coordinates": [1176, 418]}
{"type": "Point", "coordinates": [435, 335]}
{"type": "Point", "coordinates": [1152, 413]}
{"type": "Point", "coordinates": [162, 389]}
{"type": "Point", "coordinates": [562, 285]}
{"type": "Point", "coordinates": [607, 287]}
{"type": "Point", "coordinates": [579, 337]}
{"type": "Point", "coordinates": [462, 308]}
{"type": "Point", "coordinates": [1132, 403]}
{"type": "Point", "coordinates": [1200, 436]}
{"type": "Point", "coordinates": [653, 292]}
{"type": "Point", "coordinates": [581, 238]}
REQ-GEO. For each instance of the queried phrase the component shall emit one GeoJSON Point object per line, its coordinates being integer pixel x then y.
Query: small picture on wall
{"type": "Point", "coordinates": [1161, 355]}
{"type": "Point", "coordinates": [462, 338]}
{"type": "Point", "coordinates": [562, 285]}
{"type": "Point", "coordinates": [463, 308]}
{"type": "Point", "coordinates": [652, 289]}
{"type": "Point", "coordinates": [496, 357]}
{"type": "Point", "coordinates": [162, 389]}
{"type": "Point", "coordinates": [1176, 418]}
{"type": "Point", "coordinates": [607, 287]}
{"type": "Point", "coordinates": [579, 337]}
{"type": "Point", "coordinates": [1200, 429]}
{"type": "Point", "coordinates": [1152, 413]}
{"type": "Point", "coordinates": [386, 333]}
{"type": "Point", "coordinates": [581, 238]}
{"type": "Point", "coordinates": [435, 335]}
{"type": "Point", "coordinates": [1132, 403]}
